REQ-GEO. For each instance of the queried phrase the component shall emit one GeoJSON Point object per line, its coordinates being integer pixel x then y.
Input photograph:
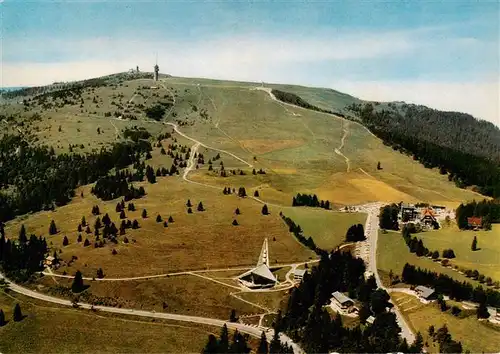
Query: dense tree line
{"type": "Point", "coordinates": [458, 131]}
{"type": "Point", "coordinates": [388, 219]}
{"type": "Point", "coordinates": [136, 134]}
{"type": "Point", "coordinates": [355, 233]}
{"type": "Point", "coordinates": [446, 285]}
{"type": "Point", "coordinates": [310, 200]}
{"type": "Point", "coordinates": [444, 140]}
{"type": "Point", "coordinates": [114, 186]}
{"type": "Point", "coordinates": [298, 233]}
{"type": "Point", "coordinates": [19, 259]}
{"type": "Point", "coordinates": [489, 210]}
{"type": "Point", "coordinates": [42, 179]}
{"type": "Point", "coordinates": [294, 99]}
{"type": "Point", "coordinates": [223, 344]}
{"type": "Point", "coordinates": [306, 321]}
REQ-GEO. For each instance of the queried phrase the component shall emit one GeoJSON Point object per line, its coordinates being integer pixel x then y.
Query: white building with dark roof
{"type": "Point", "coordinates": [425, 292]}
{"type": "Point", "coordinates": [260, 276]}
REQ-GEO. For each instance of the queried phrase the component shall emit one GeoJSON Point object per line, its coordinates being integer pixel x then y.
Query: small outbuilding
{"type": "Point", "coordinates": [342, 301]}
{"type": "Point", "coordinates": [425, 292]}
{"type": "Point", "coordinates": [298, 274]}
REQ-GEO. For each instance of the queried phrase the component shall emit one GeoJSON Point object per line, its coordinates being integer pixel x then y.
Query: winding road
{"type": "Point", "coordinates": [254, 331]}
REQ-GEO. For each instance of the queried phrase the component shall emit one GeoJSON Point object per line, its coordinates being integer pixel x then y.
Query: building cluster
{"type": "Point", "coordinates": [426, 216]}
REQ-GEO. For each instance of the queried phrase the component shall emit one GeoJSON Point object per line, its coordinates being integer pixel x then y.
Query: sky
{"type": "Point", "coordinates": [445, 55]}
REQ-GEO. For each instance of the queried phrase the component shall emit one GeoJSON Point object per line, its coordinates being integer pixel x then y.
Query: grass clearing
{"type": "Point", "coordinates": [486, 260]}
{"type": "Point", "coordinates": [65, 330]}
{"type": "Point", "coordinates": [393, 254]}
{"type": "Point", "coordinates": [476, 336]}
{"type": "Point", "coordinates": [328, 229]}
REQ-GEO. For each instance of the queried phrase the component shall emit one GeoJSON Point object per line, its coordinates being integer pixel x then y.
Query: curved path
{"type": "Point", "coordinates": [176, 128]}
{"type": "Point", "coordinates": [254, 331]}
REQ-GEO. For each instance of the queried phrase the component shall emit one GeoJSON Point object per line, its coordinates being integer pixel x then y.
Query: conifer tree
{"type": "Point", "coordinates": [122, 214]}
{"type": "Point", "coordinates": [188, 204]}
{"type": "Point", "coordinates": [2, 318]}
{"type": "Point", "coordinates": [22, 235]}
{"type": "Point", "coordinates": [79, 239]}
{"type": "Point", "coordinates": [223, 342]}
{"type": "Point", "coordinates": [256, 194]}
{"type": "Point", "coordinates": [87, 230]}
{"type": "Point", "coordinates": [118, 207]}
{"type": "Point", "coordinates": [125, 239]}
{"type": "Point", "coordinates": [165, 224]}
{"type": "Point", "coordinates": [86, 242]}
{"type": "Point", "coordinates": [77, 285]}
{"type": "Point", "coordinates": [79, 228]}
{"type": "Point", "coordinates": [135, 224]}
{"type": "Point", "coordinates": [263, 347]}
{"type": "Point", "coordinates": [265, 211]}
{"type": "Point", "coordinates": [158, 218]}
{"type": "Point", "coordinates": [235, 223]}
{"type": "Point", "coordinates": [144, 214]}
{"type": "Point", "coordinates": [17, 315]}
{"type": "Point", "coordinates": [52, 228]}
{"type": "Point", "coordinates": [474, 244]}
{"type": "Point", "coordinates": [97, 223]}
{"type": "Point", "coordinates": [170, 219]}
{"type": "Point", "coordinates": [65, 241]}
{"type": "Point", "coordinates": [482, 310]}
{"type": "Point", "coordinates": [100, 273]}
{"type": "Point", "coordinates": [200, 206]}
{"type": "Point", "coordinates": [189, 211]}
{"type": "Point", "coordinates": [212, 346]}
{"type": "Point", "coordinates": [237, 211]}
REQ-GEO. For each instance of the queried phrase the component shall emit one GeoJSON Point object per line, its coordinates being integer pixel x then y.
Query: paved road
{"type": "Point", "coordinates": [371, 230]}
{"type": "Point", "coordinates": [254, 331]}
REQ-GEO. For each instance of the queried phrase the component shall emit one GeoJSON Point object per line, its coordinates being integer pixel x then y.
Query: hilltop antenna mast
{"type": "Point", "coordinates": [156, 68]}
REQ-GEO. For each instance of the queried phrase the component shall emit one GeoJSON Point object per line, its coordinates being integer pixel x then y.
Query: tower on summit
{"type": "Point", "coordinates": [157, 69]}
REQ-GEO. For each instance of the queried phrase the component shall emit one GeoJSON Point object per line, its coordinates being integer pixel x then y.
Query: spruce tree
{"type": "Point", "coordinates": [144, 214]}
{"type": "Point", "coordinates": [22, 235]}
{"type": "Point", "coordinates": [256, 194]}
{"type": "Point", "coordinates": [223, 342]}
{"type": "Point", "coordinates": [212, 346]}
{"type": "Point", "coordinates": [200, 206]}
{"type": "Point", "coordinates": [170, 219]}
{"type": "Point", "coordinates": [52, 228]}
{"type": "Point", "coordinates": [189, 211]}
{"type": "Point", "coordinates": [17, 315]}
{"type": "Point", "coordinates": [118, 207]}
{"type": "Point", "coordinates": [235, 223]}
{"type": "Point", "coordinates": [79, 228]}
{"type": "Point", "coordinates": [122, 214]}
{"type": "Point", "coordinates": [79, 239]}
{"type": "Point", "coordinates": [265, 211]}
{"type": "Point", "coordinates": [232, 316]}
{"type": "Point", "coordinates": [86, 242]}
{"type": "Point", "coordinates": [474, 244]}
{"type": "Point", "coordinates": [263, 347]}
{"type": "Point", "coordinates": [165, 224]}
{"type": "Point", "coordinates": [135, 224]}
{"type": "Point", "coordinates": [158, 218]}
{"type": "Point", "coordinates": [65, 241]}
{"type": "Point", "coordinates": [2, 318]}
{"type": "Point", "coordinates": [88, 231]}
{"type": "Point", "coordinates": [77, 285]}
{"type": "Point", "coordinates": [482, 310]}
{"type": "Point", "coordinates": [237, 211]}
{"type": "Point", "coordinates": [188, 204]}
{"type": "Point", "coordinates": [100, 273]}
{"type": "Point", "coordinates": [84, 222]}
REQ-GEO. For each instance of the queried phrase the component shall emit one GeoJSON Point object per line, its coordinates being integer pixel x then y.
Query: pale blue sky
{"type": "Point", "coordinates": [443, 54]}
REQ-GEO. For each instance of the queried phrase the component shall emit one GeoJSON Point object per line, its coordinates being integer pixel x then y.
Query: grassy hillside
{"type": "Point", "coordinates": [63, 330]}
{"type": "Point", "coordinates": [300, 150]}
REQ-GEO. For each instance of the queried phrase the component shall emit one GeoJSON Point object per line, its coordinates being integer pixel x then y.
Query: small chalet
{"type": "Point", "coordinates": [298, 274]}
{"type": "Point", "coordinates": [342, 301]}
{"type": "Point", "coordinates": [474, 222]}
{"type": "Point", "coordinates": [49, 261]}
{"type": "Point", "coordinates": [370, 320]}
{"type": "Point", "coordinates": [425, 292]}
{"type": "Point", "coordinates": [429, 218]}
